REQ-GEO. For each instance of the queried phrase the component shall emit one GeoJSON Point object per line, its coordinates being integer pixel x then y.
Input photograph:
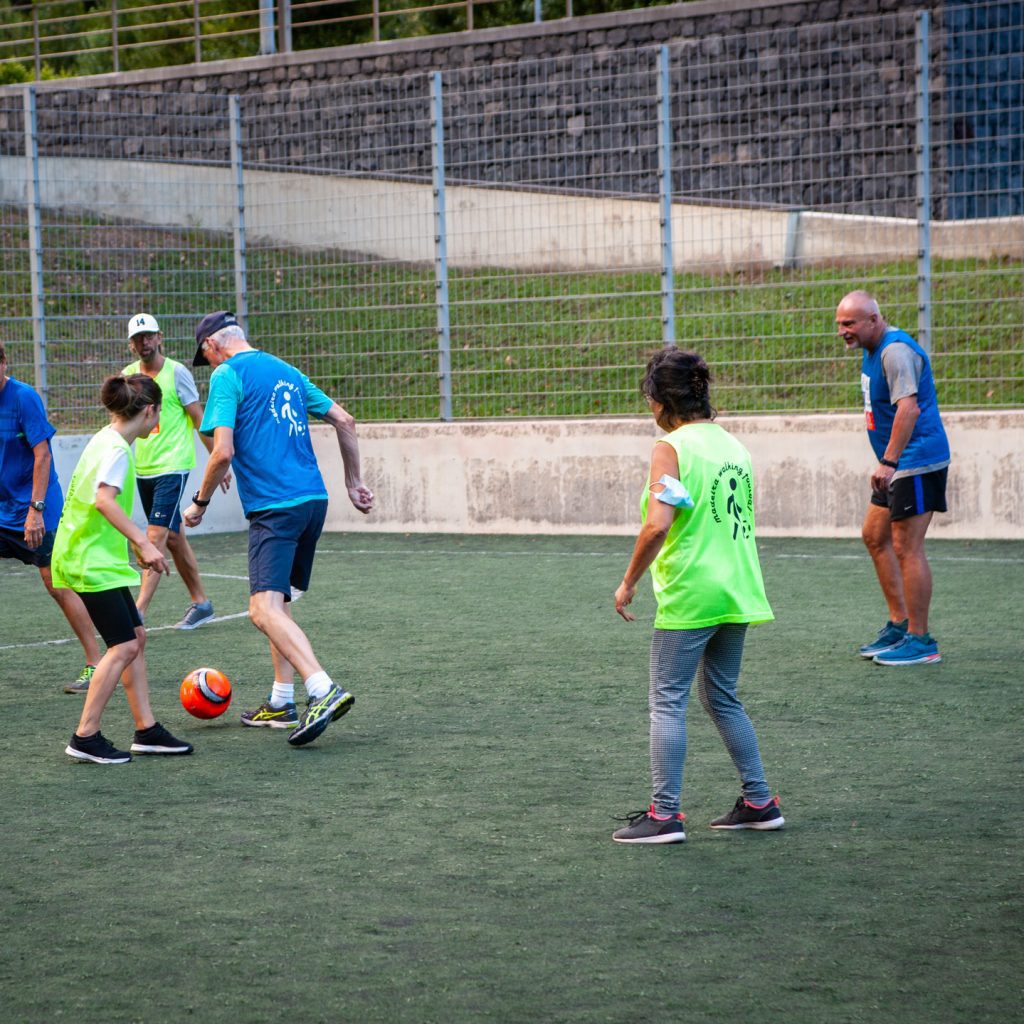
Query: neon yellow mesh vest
{"type": "Point", "coordinates": [170, 448]}
{"type": "Point", "coordinates": [88, 553]}
{"type": "Point", "coordinates": [707, 571]}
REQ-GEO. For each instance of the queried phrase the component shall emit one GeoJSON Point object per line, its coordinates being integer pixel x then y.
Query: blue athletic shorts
{"type": "Point", "coordinates": [914, 495]}
{"type": "Point", "coordinates": [113, 613]}
{"type": "Point", "coordinates": [161, 499]}
{"type": "Point", "coordinates": [282, 543]}
{"type": "Point", "coordinates": [12, 545]}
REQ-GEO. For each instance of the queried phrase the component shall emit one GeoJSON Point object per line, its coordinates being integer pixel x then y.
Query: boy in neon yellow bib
{"type": "Point", "coordinates": [90, 557]}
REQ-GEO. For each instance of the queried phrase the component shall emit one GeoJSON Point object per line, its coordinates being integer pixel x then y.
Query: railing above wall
{"type": "Point", "coordinates": [52, 38]}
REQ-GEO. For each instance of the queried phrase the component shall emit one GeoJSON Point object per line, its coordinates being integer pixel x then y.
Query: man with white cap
{"type": "Point", "coordinates": [164, 461]}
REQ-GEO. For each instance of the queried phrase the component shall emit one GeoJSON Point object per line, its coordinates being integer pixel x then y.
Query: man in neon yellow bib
{"type": "Point", "coordinates": [163, 464]}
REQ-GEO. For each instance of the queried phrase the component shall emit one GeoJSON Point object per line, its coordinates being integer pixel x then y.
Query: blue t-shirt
{"type": "Point", "coordinates": [23, 424]}
{"type": "Point", "coordinates": [267, 403]}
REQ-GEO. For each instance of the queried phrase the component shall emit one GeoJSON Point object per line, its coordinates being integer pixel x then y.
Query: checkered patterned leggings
{"type": "Point", "coordinates": [677, 655]}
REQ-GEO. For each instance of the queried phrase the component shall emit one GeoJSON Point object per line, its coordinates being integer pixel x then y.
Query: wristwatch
{"type": "Point", "coordinates": [889, 463]}
{"type": "Point", "coordinates": [39, 506]}
{"type": "Point", "coordinates": [196, 500]}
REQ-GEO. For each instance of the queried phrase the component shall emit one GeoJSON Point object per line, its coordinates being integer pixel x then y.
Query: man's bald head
{"type": "Point", "coordinates": [859, 320]}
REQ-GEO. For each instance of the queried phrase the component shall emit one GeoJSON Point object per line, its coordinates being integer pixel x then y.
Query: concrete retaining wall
{"type": "Point", "coordinates": [584, 476]}
{"type": "Point", "coordinates": [394, 220]}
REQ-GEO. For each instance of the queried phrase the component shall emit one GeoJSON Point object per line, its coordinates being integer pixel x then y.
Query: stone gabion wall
{"type": "Point", "coordinates": [762, 107]}
{"type": "Point", "coordinates": [985, 109]}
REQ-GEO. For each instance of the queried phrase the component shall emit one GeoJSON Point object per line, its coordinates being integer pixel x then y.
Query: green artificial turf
{"type": "Point", "coordinates": [443, 853]}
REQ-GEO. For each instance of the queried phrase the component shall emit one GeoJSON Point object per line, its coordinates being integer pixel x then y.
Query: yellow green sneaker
{"type": "Point", "coordinates": [319, 713]}
{"type": "Point", "coordinates": [276, 718]}
{"type": "Point", "coordinates": [81, 684]}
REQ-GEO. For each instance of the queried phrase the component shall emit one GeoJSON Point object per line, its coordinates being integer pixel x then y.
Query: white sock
{"type": "Point", "coordinates": [318, 684]}
{"type": "Point", "coordinates": [281, 694]}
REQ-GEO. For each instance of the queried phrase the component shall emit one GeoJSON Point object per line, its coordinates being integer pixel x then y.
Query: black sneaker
{"type": "Point", "coordinates": [643, 827]}
{"type": "Point", "coordinates": [319, 713]}
{"type": "Point", "coordinates": [157, 740]}
{"type": "Point", "coordinates": [745, 815]}
{"type": "Point", "coordinates": [97, 749]}
{"type": "Point", "coordinates": [285, 717]}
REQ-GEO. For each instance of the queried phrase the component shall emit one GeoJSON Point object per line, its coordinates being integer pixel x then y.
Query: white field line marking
{"type": "Point", "coordinates": [492, 554]}
{"type": "Point", "coordinates": [394, 552]}
{"type": "Point", "coordinates": [619, 554]}
{"type": "Point", "coordinates": [149, 629]}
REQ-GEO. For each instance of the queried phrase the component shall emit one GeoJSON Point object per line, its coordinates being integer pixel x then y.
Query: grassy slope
{"type": "Point", "coordinates": [522, 344]}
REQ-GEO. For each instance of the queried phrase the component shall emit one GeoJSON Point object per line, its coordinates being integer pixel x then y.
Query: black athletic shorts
{"type": "Point", "coordinates": [113, 613]}
{"type": "Point", "coordinates": [12, 545]}
{"type": "Point", "coordinates": [914, 495]}
{"type": "Point", "coordinates": [282, 543]}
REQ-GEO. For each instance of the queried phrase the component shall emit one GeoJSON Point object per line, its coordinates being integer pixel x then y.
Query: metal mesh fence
{"type": "Point", "coordinates": [507, 240]}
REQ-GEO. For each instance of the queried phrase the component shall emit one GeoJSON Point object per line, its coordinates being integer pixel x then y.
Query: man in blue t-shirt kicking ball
{"type": "Point", "coordinates": [258, 414]}
{"type": "Point", "coordinates": [908, 485]}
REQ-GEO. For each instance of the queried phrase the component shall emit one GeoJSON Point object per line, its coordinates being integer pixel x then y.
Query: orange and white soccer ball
{"type": "Point", "coordinates": [205, 693]}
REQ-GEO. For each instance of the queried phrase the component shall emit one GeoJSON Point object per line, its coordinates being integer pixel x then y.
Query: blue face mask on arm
{"type": "Point", "coordinates": [674, 494]}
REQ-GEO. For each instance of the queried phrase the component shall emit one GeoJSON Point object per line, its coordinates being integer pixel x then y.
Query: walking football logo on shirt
{"type": "Point", "coordinates": [285, 408]}
{"type": "Point", "coordinates": [869, 415]}
{"type": "Point", "coordinates": [734, 485]}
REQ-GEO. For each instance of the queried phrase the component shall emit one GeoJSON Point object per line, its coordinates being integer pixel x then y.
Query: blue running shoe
{"type": "Point", "coordinates": [888, 637]}
{"type": "Point", "coordinates": [913, 650]}
{"type": "Point", "coordinates": [196, 615]}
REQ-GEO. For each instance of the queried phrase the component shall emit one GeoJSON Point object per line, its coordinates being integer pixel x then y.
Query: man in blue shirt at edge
{"type": "Point", "coordinates": [909, 483]}
{"type": "Point", "coordinates": [31, 502]}
{"type": "Point", "coordinates": [258, 413]}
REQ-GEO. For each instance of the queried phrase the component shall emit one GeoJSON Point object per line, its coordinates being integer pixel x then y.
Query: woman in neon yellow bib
{"type": "Point", "coordinates": [90, 557]}
{"type": "Point", "coordinates": [698, 541]}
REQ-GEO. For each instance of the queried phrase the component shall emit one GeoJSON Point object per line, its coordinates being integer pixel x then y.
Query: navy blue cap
{"type": "Point", "coordinates": [210, 324]}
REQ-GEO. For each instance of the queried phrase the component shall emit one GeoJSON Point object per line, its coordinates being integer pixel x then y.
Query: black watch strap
{"type": "Point", "coordinates": [196, 500]}
{"type": "Point", "coordinates": [889, 463]}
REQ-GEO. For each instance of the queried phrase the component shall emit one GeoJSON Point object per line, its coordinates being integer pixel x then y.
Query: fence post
{"type": "Point", "coordinates": [268, 30]}
{"type": "Point", "coordinates": [668, 297]}
{"type": "Point", "coordinates": [241, 287]}
{"type": "Point", "coordinates": [35, 244]}
{"type": "Point", "coordinates": [924, 185]}
{"type": "Point", "coordinates": [113, 36]}
{"type": "Point", "coordinates": [376, 21]}
{"type": "Point", "coordinates": [444, 336]}
{"type": "Point", "coordinates": [538, 13]}
{"type": "Point", "coordinates": [37, 56]}
{"type": "Point", "coordinates": [197, 32]}
{"type": "Point", "coordinates": [284, 26]}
